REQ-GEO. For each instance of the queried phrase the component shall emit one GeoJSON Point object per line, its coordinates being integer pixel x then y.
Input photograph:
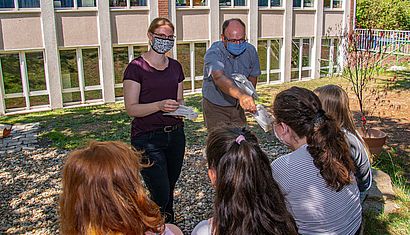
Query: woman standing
{"type": "Point", "coordinates": [317, 178]}
{"type": "Point", "coordinates": [153, 85]}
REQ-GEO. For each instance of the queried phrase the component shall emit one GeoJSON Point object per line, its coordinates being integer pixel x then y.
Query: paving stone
{"type": "Point", "coordinates": [29, 148]}
{"type": "Point", "coordinates": [381, 195]}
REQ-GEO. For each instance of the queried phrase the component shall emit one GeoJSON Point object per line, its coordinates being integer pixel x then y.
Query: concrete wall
{"type": "Point", "coordinates": [20, 31]}
{"type": "Point", "coordinates": [192, 25]}
{"type": "Point", "coordinates": [332, 23]}
{"type": "Point", "coordinates": [76, 29]}
{"type": "Point", "coordinates": [304, 23]}
{"type": "Point", "coordinates": [129, 27]}
{"type": "Point", "coordinates": [271, 24]}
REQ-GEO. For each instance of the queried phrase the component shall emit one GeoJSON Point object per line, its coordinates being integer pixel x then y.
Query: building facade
{"type": "Point", "coordinates": [65, 53]}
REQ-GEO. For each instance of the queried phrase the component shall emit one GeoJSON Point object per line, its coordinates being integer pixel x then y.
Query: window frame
{"type": "Point", "coordinates": [128, 6]}
{"type": "Point", "coordinates": [268, 71]}
{"type": "Point", "coordinates": [191, 5]}
{"type": "Point", "coordinates": [270, 5]}
{"type": "Point", "coordinates": [75, 6]}
{"type": "Point", "coordinates": [332, 54]}
{"type": "Point", "coordinates": [300, 67]}
{"type": "Point", "coordinates": [131, 56]}
{"type": "Point", "coordinates": [334, 8]}
{"type": "Point", "coordinates": [302, 5]}
{"type": "Point", "coordinates": [82, 88]}
{"type": "Point", "coordinates": [18, 8]}
{"type": "Point", "coordinates": [25, 93]}
{"type": "Point", "coordinates": [192, 64]}
{"type": "Point", "coordinates": [234, 6]}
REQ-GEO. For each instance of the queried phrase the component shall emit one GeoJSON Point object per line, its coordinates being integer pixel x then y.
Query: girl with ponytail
{"type": "Point", "coordinates": [248, 200]}
{"type": "Point", "coordinates": [317, 178]}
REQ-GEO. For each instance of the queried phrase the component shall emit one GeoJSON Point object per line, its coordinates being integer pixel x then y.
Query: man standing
{"type": "Point", "coordinates": [223, 101]}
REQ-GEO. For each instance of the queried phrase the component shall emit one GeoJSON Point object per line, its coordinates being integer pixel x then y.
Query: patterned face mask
{"type": "Point", "coordinates": [162, 45]}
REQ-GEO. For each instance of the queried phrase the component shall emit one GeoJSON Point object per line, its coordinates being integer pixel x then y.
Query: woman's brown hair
{"type": "Point", "coordinates": [336, 103]}
{"type": "Point", "coordinates": [248, 200]}
{"type": "Point", "coordinates": [158, 22]}
{"type": "Point", "coordinates": [103, 192]}
{"type": "Point", "coordinates": [301, 110]}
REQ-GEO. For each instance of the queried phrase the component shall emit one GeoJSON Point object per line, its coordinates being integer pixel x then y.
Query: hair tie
{"type": "Point", "coordinates": [239, 139]}
{"type": "Point", "coordinates": [319, 117]}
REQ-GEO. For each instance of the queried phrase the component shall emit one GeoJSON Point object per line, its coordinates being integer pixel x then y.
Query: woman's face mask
{"type": "Point", "coordinates": [278, 136]}
{"type": "Point", "coordinates": [162, 45]}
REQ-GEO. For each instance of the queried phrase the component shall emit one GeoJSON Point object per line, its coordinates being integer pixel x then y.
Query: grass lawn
{"type": "Point", "coordinates": [70, 128]}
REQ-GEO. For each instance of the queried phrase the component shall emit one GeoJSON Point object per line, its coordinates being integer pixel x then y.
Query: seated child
{"type": "Point", "coordinates": [247, 200]}
{"type": "Point", "coordinates": [103, 193]}
{"type": "Point", "coordinates": [335, 102]}
{"type": "Point", "coordinates": [317, 178]}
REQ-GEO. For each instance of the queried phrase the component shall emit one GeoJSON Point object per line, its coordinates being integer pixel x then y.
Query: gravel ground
{"type": "Point", "coordinates": [30, 184]}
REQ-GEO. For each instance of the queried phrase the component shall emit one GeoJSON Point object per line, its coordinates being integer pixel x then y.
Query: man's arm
{"type": "Point", "coordinates": [228, 87]}
{"type": "Point", "coordinates": [253, 80]}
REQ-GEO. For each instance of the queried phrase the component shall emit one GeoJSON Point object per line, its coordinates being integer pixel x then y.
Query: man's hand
{"type": "Point", "coordinates": [247, 103]}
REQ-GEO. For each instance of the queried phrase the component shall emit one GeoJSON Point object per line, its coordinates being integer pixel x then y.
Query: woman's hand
{"type": "Point", "coordinates": [168, 105]}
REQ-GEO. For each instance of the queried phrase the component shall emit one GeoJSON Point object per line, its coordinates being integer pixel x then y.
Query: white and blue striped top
{"type": "Point", "coordinates": [317, 208]}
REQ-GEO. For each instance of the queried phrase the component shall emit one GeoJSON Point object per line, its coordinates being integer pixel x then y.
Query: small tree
{"type": "Point", "coordinates": [363, 55]}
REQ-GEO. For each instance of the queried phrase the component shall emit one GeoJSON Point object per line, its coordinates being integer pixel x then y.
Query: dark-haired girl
{"type": "Point", "coordinates": [247, 200]}
{"type": "Point", "coordinates": [317, 178]}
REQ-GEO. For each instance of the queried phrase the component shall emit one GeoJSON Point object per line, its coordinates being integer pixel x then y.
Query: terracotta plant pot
{"type": "Point", "coordinates": [375, 139]}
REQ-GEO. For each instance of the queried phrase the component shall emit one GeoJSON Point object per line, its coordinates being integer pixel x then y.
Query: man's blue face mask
{"type": "Point", "coordinates": [236, 49]}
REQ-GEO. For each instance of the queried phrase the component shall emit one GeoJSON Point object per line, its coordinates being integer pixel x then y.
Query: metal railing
{"type": "Point", "coordinates": [395, 42]}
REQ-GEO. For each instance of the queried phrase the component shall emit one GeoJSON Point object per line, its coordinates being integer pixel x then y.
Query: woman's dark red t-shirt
{"type": "Point", "coordinates": [156, 85]}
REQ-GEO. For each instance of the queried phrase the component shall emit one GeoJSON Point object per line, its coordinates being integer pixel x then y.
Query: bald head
{"type": "Point", "coordinates": [233, 29]}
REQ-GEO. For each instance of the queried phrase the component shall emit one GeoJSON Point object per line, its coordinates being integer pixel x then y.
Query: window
{"type": "Point", "coordinates": [191, 56]}
{"type": "Point", "coordinates": [333, 4]}
{"type": "Point", "coordinates": [269, 3]}
{"type": "Point", "coordinates": [20, 4]}
{"type": "Point", "coordinates": [232, 3]}
{"type": "Point", "coordinates": [124, 3]}
{"type": "Point", "coordinates": [23, 79]}
{"type": "Point", "coordinates": [191, 3]}
{"type": "Point", "coordinates": [329, 63]}
{"type": "Point", "coordinates": [74, 3]}
{"type": "Point", "coordinates": [301, 58]}
{"type": "Point", "coordinates": [80, 76]}
{"type": "Point", "coordinates": [303, 3]}
{"type": "Point", "coordinates": [122, 56]}
{"type": "Point", "coordinates": [269, 52]}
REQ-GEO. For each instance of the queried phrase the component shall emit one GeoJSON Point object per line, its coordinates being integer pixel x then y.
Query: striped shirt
{"type": "Point", "coordinates": [317, 209]}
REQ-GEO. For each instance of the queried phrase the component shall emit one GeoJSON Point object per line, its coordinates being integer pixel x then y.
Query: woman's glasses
{"type": "Point", "coordinates": [163, 36]}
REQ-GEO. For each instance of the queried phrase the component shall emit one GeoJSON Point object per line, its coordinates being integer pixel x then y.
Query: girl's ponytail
{"type": "Point", "coordinates": [302, 111]}
{"type": "Point", "coordinates": [330, 152]}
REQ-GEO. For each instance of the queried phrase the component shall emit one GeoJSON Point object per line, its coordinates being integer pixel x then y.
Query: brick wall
{"type": "Point", "coordinates": [352, 20]}
{"type": "Point", "coordinates": [163, 8]}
